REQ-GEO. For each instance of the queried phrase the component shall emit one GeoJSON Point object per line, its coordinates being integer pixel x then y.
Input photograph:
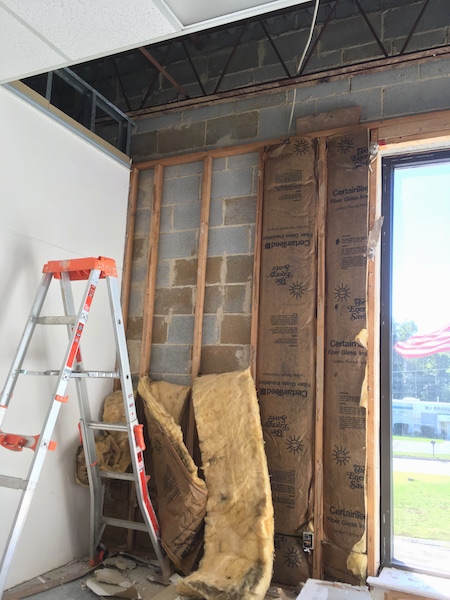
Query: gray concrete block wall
{"type": "Point", "coordinates": [413, 88]}
{"type": "Point", "coordinates": [227, 311]}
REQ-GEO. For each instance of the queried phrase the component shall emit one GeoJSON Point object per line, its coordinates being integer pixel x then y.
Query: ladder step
{"type": "Point", "coordinates": [66, 320]}
{"type": "Point", "coordinates": [117, 475]}
{"type": "Point", "coordinates": [76, 374]}
{"type": "Point", "coordinates": [14, 483]}
{"type": "Point", "coordinates": [107, 426]}
{"type": "Point", "coordinates": [124, 524]}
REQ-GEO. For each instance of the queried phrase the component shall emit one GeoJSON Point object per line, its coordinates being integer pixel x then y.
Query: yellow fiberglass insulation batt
{"type": "Point", "coordinates": [238, 558]}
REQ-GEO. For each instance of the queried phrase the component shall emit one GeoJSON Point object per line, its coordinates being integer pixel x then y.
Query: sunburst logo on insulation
{"type": "Point", "coordinates": [341, 455]}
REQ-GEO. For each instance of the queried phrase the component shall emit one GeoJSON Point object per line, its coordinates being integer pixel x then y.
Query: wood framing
{"type": "Point", "coordinates": [373, 372]}
{"type": "Point", "coordinates": [149, 297]}
{"type": "Point", "coordinates": [257, 264]}
{"type": "Point", "coordinates": [320, 366]}
{"type": "Point", "coordinates": [201, 265]}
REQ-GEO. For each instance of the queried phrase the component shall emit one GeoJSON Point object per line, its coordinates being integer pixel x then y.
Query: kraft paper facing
{"type": "Point", "coordinates": [345, 354]}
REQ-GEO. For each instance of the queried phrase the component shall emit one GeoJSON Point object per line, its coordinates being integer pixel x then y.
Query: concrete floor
{"type": "Point", "coordinates": [63, 589]}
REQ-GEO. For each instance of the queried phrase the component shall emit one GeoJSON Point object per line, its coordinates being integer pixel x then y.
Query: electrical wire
{"type": "Point", "coordinates": [301, 61]}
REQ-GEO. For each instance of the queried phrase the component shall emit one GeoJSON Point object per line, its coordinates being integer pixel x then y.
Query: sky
{"type": "Point", "coordinates": [421, 258]}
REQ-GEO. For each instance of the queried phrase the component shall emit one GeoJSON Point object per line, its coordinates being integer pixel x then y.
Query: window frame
{"type": "Point", "coordinates": [389, 162]}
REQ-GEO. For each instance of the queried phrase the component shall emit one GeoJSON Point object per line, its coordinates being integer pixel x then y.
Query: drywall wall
{"type": "Point", "coordinates": [60, 198]}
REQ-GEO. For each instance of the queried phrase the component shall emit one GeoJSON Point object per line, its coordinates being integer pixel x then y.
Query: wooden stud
{"type": "Point", "coordinates": [373, 372]}
{"type": "Point", "coordinates": [129, 240]}
{"type": "Point", "coordinates": [320, 361]}
{"type": "Point", "coordinates": [201, 265]}
{"type": "Point", "coordinates": [149, 297]}
{"type": "Point", "coordinates": [257, 264]}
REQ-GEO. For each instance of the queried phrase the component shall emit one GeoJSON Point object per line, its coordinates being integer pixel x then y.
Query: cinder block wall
{"type": "Point", "coordinates": [410, 89]}
{"type": "Point", "coordinates": [227, 308]}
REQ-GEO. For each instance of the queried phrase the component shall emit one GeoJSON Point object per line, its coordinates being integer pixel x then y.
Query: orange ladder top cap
{"type": "Point", "coordinates": [80, 268]}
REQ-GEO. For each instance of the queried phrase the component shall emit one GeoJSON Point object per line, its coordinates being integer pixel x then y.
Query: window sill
{"type": "Point", "coordinates": [407, 582]}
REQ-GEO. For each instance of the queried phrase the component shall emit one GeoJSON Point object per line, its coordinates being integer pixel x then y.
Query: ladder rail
{"type": "Point", "coordinates": [72, 367]}
{"type": "Point", "coordinates": [24, 343]}
{"type": "Point", "coordinates": [45, 442]}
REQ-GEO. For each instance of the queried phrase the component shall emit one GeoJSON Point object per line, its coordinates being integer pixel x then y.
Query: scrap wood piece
{"type": "Point", "coordinates": [55, 578]}
{"type": "Point", "coordinates": [239, 528]}
{"type": "Point", "coordinates": [181, 494]}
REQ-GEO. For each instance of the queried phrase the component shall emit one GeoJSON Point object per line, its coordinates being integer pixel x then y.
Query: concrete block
{"type": "Point", "coordinates": [170, 172]}
{"type": "Point", "coordinates": [185, 272]}
{"type": "Point", "coordinates": [159, 331]}
{"type": "Point", "coordinates": [210, 333]}
{"type": "Point", "coordinates": [181, 329]}
{"type": "Point", "coordinates": [242, 160]}
{"type": "Point", "coordinates": [355, 54]}
{"type": "Point", "coordinates": [204, 113]}
{"type": "Point", "coordinates": [369, 100]}
{"type": "Point", "coordinates": [239, 268]}
{"type": "Point", "coordinates": [143, 146]}
{"type": "Point", "coordinates": [193, 168]}
{"type": "Point", "coordinates": [399, 21]}
{"type": "Point", "coordinates": [423, 41]}
{"type": "Point", "coordinates": [145, 188]}
{"type": "Point", "coordinates": [142, 222]}
{"type": "Point", "coordinates": [216, 210]}
{"type": "Point", "coordinates": [186, 216]}
{"type": "Point", "coordinates": [230, 298]}
{"type": "Point", "coordinates": [134, 328]}
{"type": "Point", "coordinates": [267, 100]}
{"type": "Point", "coordinates": [166, 224]}
{"type": "Point", "coordinates": [214, 269]}
{"type": "Point", "coordinates": [273, 122]}
{"type": "Point", "coordinates": [140, 246]}
{"type": "Point", "coordinates": [416, 98]}
{"type": "Point", "coordinates": [172, 378]}
{"type": "Point", "coordinates": [229, 240]}
{"type": "Point", "coordinates": [240, 210]}
{"type": "Point", "coordinates": [231, 184]}
{"type": "Point", "coordinates": [232, 128]}
{"type": "Point", "coordinates": [136, 303]}
{"type": "Point", "coordinates": [180, 244]}
{"type": "Point", "coordinates": [138, 272]}
{"type": "Point", "coordinates": [440, 67]}
{"type": "Point", "coordinates": [222, 359]}
{"type": "Point", "coordinates": [181, 189]}
{"type": "Point", "coordinates": [163, 273]}
{"type": "Point", "coordinates": [178, 301]}
{"type": "Point", "coordinates": [179, 139]}
{"type": "Point", "coordinates": [385, 78]}
{"type": "Point", "coordinates": [134, 354]}
{"type": "Point", "coordinates": [235, 329]}
{"type": "Point", "coordinates": [353, 31]}
{"type": "Point", "coordinates": [167, 358]}
{"type": "Point", "coordinates": [219, 164]}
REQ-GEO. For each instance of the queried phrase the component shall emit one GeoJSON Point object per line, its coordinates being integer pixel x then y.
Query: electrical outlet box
{"type": "Point", "coordinates": [308, 541]}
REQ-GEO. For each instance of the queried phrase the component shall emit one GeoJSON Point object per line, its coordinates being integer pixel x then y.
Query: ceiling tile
{"type": "Point", "coordinates": [84, 29]}
{"type": "Point", "coordinates": [23, 53]}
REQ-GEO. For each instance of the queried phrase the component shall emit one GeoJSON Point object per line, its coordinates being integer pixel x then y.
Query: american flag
{"type": "Point", "coordinates": [418, 346]}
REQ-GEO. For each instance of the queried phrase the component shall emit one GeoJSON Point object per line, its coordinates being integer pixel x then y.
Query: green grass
{"type": "Point", "coordinates": [406, 438]}
{"type": "Point", "coordinates": [422, 506]}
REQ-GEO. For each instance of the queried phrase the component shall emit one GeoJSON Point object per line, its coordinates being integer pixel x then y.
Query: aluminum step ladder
{"type": "Point", "coordinates": [92, 270]}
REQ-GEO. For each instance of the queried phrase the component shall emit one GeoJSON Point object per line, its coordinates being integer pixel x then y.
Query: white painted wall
{"type": "Point", "coordinates": [60, 198]}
